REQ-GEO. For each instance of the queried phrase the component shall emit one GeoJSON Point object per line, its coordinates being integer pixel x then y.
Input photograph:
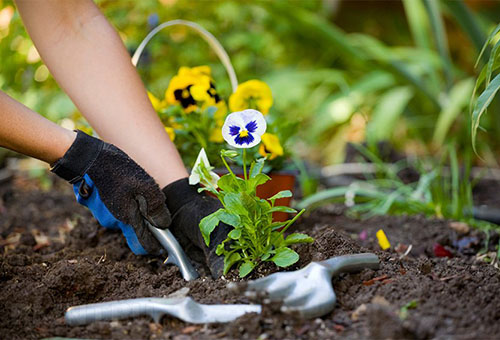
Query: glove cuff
{"type": "Point", "coordinates": [179, 193]}
{"type": "Point", "coordinates": [78, 158]}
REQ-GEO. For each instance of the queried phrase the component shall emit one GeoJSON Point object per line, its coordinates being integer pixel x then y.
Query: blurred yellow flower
{"type": "Point", "coordinates": [158, 104]}
{"type": "Point", "coordinates": [171, 132]}
{"type": "Point", "coordinates": [219, 117]}
{"type": "Point", "coordinates": [252, 94]}
{"type": "Point", "coordinates": [270, 145]}
{"type": "Point", "coordinates": [192, 86]}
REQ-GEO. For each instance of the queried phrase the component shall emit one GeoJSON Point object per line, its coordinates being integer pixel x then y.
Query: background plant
{"type": "Point", "coordinates": [443, 190]}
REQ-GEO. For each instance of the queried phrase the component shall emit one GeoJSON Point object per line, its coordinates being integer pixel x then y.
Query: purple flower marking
{"type": "Point", "coordinates": [234, 130]}
{"type": "Point", "coordinates": [244, 140]}
{"type": "Point", "coordinates": [252, 126]}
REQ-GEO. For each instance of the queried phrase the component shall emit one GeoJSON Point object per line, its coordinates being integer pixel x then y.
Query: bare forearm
{"type": "Point", "coordinates": [27, 132]}
{"type": "Point", "coordinates": [89, 61]}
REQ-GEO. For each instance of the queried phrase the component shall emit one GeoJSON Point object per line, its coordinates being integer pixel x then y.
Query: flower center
{"type": "Point", "coordinates": [243, 133]}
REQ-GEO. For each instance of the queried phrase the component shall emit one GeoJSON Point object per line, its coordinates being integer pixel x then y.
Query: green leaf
{"type": "Point", "coordinates": [246, 268]}
{"type": "Point", "coordinates": [281, 194]}
{"type": "Point", "coordinates": [285, 257]}
{"type": "Point", "coordinates": [230, 219]}
{"type": "Point", "coordinates": [267, 255]}
{"type": "Point", "coordinates": [228, 183]}
{"type": "Point", "coordinates": [230, 260]}
{"type": "Point", "coordinates": [387, 112]}
{"type": "Point", "coordinates": [220, 249]}
{"type": "Point", "coordinates": [440, 39]}
{"type": "Point", "coordinates": [234, 205]}
{"type": "Point", "coordinates": [235, 234]}
{"type": "Point", "coordinates": [254, 182]}
{"type": "Point", "coordinates": [208, 224]}
{"type": "Point", "coordinates": [283, 209]}
{"type": "Point", "coordinates": [321, 196]}
{"type": "Point", "coordinates": [418, 22]}
{"type": "Point", "coordinates": [256, 167]}
{"type": "Point", "coordinates": [277, 225]}
{"type": "Point", "coordinates": [482, 104]}
{"type": "Point", "coordinates": [277, 239]}
{"type": "Point", "coordinates": [229, 153]}
{"type": "Point", "coordinates": [459, 97]}
{"type": "Point", "coordinates": [298, 238]}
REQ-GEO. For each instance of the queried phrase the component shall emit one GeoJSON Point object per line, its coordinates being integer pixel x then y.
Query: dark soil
{"type": "Point", "coordinates": [54, 255]}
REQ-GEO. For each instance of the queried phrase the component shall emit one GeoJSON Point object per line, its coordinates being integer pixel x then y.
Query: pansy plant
{"type": "Point", "coordinates": [194, 112]}
{"type": "Point", "coordinates": [255, 238]}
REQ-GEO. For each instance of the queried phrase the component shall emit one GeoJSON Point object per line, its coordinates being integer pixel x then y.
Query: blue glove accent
{"type": "Point", "coordinates": [104, 217]}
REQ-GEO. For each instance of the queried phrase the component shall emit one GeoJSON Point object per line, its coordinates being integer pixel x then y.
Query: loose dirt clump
{"type": "Point", "coordinates": [54, 255]}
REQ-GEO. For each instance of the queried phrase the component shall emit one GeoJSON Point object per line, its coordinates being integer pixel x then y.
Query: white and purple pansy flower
{"type": "Point", "coordinates": [244, 129]}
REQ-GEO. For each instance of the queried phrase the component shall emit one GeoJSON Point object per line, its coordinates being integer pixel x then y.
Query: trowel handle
{"type": "Point", "coordinates": [176, 255]}
{"type": "Point", "coordinates": [114, 310]}
{"type": "Point", "coordinates": [351, 263]}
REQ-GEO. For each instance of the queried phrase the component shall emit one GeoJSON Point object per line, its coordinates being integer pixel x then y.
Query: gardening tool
{"type": "Point", "coordinates": [176, 255]}
{"type": "Point", "coordinates": [185, 309]}
{"type": "Point", "coordinates": [307, 292]}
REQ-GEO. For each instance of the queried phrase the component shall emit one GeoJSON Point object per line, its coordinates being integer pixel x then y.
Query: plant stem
{"type": "Point", "coordinates": [227, 166]}
{"type": "Point", "coordinates": [245, 164]}
{"type": "Point", "coordinates": [291, 221]}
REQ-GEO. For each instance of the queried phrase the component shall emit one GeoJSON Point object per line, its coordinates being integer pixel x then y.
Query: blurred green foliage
{"type": "Point", "coordinates": [349, 70]}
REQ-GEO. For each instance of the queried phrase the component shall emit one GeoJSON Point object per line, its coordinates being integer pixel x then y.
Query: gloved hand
{"type": "Point", "coordinates": [116, 189]}
{"type": "Point", "coordinates": [188, 207]}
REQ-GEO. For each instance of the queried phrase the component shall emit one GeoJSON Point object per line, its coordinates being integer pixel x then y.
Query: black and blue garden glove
{"type": "Point", "coordinates": [187, 208]}
{"type": "Point", "coordinates": [118, 192]}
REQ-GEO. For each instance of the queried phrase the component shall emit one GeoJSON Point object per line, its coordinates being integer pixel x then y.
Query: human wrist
{"type": "Point", "coordinates": [78, 157]}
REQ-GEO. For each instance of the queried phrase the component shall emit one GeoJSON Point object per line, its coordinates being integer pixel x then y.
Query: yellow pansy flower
{"type": "Point", "coordinates": [252, 94]}
{"type": "Point", "coordinates": [270, 145]}
{"type": "Point", "coordinates": [171, 132]}
{"type": "Point", "coordinates": [192, 86]}
{"type": "Point", "coordinates": [219, 117]}
{"type": "Point", "coordinates": [158, 104]}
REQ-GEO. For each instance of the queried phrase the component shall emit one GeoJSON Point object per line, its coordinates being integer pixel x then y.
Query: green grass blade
{"type": "Point", "coordinates": [482, 104]}
{"type": "Point", "coordinates": [322, 196]}
{"type": "Point", "coordinates": [437, 25]}
{"type": "Point", "coordinates": [455, 180]}
{"type": "Point", "coordinates": [493, 57]}
{"type": "Point", "coordinates": [387, 112]}
{"type": "Point", "coordinates": [468, 21]}
{"type": "Point", "coordinates": [458, 99]}
{"type": "Point", "coordinates": [490, 37]}
{"type": "Point", "coordinates": [418, 22]}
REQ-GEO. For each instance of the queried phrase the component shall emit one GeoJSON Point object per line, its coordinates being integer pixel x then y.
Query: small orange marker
{"type": "Point", "coordinates": [382, 240]}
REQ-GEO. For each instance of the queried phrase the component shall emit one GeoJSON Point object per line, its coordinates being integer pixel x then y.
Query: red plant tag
{"type": "Point", "coordinates": [440, 251]}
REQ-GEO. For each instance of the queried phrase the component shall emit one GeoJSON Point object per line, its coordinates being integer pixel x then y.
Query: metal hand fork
{"type": "Point", "coordinates": [176, 255]}
{"type": "Point", "coordinates": [308, 291]}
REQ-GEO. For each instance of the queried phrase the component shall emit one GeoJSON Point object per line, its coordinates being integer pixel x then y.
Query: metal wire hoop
{"type": "Point", "coordinates": [206, 35]}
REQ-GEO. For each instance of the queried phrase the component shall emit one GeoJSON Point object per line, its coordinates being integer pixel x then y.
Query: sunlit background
{"type": "Point", "coordinates": [348, 71]}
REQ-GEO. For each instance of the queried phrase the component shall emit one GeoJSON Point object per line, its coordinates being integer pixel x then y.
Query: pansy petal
{"type": "Point", "coordinates": [243, 129]}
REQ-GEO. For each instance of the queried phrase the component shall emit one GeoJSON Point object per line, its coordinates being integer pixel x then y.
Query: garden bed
{"type": "Point", "coordinates": [54, 255]}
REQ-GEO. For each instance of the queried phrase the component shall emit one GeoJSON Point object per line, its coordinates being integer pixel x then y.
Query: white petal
{"type": "Point", "coordinates": [194, 177]}
{"type": "Point", "coordinates": [241, 119]}
{"type": "Point", "coordinates": [254, 115]}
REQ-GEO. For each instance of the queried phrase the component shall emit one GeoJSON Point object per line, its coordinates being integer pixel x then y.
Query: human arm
{"type": "Point", "coordinates": [27, 132]}
{"type": "Point", "coordinates": [89, 61]}
{"type": "Point", "coordinates": [122, 193]}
